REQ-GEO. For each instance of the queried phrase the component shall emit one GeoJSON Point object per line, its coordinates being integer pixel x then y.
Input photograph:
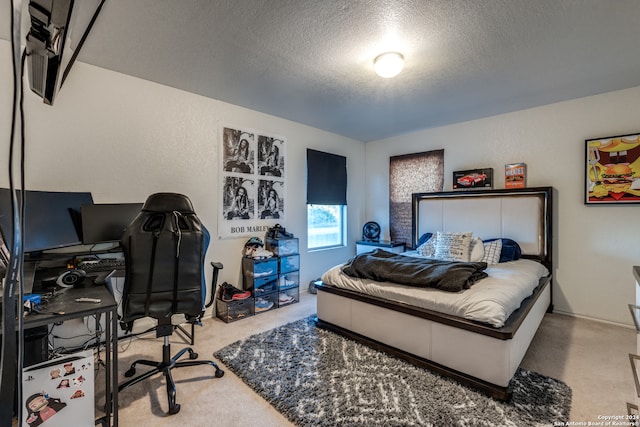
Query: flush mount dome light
{"type": "Point", "coordinates": [388, 64]}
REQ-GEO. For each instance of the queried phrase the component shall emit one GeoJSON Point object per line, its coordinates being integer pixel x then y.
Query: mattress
{"type": "Point", "coordinates": [490, 300]}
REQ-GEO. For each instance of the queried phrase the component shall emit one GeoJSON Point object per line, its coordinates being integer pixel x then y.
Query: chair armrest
{"type": "Point", "coordinates": [217, 266]}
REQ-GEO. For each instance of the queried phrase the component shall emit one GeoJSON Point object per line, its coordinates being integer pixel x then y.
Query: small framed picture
{"type": "Point", "coordinates": [474, 179]}
{"type": "Point", "coordinates": [612, 170]}
{"type": "Point", "coordinates": [515, 175]}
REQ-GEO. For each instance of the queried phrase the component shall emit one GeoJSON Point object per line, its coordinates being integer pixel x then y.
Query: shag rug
{"type": "Point", "coordinates": [318, 378]}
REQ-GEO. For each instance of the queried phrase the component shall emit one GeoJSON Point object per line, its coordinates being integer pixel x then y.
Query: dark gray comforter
{"type": "Point", "coordinates": [383, 266]}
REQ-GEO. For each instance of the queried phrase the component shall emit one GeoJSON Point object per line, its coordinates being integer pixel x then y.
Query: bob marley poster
{"type": "Point", "coordinates": [252, 182]}
{"type": "Point", "coordinates": [613, 170]}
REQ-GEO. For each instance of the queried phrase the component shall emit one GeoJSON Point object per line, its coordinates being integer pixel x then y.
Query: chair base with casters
{"type": "Point", "coordinates": [168, 363]}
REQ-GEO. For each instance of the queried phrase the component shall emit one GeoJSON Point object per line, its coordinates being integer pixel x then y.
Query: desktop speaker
{"type": "Point", "coordinates": [71, 278]}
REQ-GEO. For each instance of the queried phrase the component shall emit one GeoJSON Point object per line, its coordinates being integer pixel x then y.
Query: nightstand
{"type": "Point", "coordinates": [363, 246]}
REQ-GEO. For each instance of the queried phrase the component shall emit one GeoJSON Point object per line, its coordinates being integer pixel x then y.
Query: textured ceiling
{"type": "Point", "coordinates": [310, 61]}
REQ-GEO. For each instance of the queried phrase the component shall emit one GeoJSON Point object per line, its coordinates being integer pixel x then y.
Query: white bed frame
{"type": "Point", "coordinates": [473, 353]}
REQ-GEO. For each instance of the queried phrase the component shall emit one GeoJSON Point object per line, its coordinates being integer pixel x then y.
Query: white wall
{"type": "Point", "coordinates": [123, 138]}
{"type": "Point", "coordinates": [595, 246]}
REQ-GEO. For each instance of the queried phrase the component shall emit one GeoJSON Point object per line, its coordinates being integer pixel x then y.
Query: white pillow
{"type": "Point", "coordinates": [477, 250]}
{"type": "Point", "coordinates": [428, 248]}
{"type": "Point", "coordinates": [492, 252]}
{"type": "Point", "coordinates": [452, 246]}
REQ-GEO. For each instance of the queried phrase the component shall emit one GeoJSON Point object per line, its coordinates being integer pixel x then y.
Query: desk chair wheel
{"type": "Point", "coordinates": [219, 373]}
{"type": "Point", "coordinates": [131, 372]}
{"type": "Point", "coordinates": [174, 409]}
{"type": "Point", "coordinates": [193, 355]}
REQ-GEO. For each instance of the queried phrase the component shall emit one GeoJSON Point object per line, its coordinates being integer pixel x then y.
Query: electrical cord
{"type": "Point", "coordinates": [10, 366]}
{"type": "Point", "coordinates": [94, 341]}
{"type": "Point", "coordinates": [22, 221]}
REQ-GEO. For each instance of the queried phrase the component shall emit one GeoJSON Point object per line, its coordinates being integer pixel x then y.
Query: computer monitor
{"type": "Point", "coordinates": [52, 219]}
{"type": "Point", "coordinates": [105, 222]}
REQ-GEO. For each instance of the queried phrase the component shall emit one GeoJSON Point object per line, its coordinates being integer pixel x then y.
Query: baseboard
{"type": "Point", "coordinates": [594, 319]}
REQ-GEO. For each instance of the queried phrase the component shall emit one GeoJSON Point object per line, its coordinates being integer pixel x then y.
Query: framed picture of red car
{"type": "Point", "coordinates": [474, 179]}
{"type": "Point", "coordinates": [612, 167]}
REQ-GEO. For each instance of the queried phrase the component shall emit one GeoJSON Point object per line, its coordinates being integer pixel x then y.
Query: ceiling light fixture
{"type": "Point", "coordinates": [388, 64]}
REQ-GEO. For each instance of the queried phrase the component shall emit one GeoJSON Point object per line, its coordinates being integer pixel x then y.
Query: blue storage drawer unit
{"type": "Point", "coordinates": [266, 302]}
{"type": "Point", "coordinates": [289, 280]}
{"type": "Point", "coordinates": [282, 247]}
{"type": "Point", "coordinates": [288, 296]}
{"type": "Point", "coordinates": [274, 282]}
{"type": "Point", "coordinates": [289, 263]}
{"type": "Point", "coordinates": [254, 270]}
{"type": "Point", "coordinates": [234, 310]}
{"type": "Point", "coordinates": [264, 285]}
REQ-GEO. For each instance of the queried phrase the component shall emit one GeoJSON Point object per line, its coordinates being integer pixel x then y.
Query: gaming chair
{"type": "Point", "coordinates": [164, 249]}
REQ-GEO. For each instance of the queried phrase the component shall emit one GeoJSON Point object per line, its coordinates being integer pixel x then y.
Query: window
{"type": "Point", "coordinates": [326, 200]}
{"type": "Point", "coordinates": [325, 226]}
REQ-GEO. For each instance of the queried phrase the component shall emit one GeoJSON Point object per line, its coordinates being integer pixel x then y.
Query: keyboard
{"type": "Point", "coordinates": [102, 264]}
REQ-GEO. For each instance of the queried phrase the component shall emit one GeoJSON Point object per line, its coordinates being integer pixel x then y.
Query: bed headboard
{"type": "Point", "coordinates": [523, 215]}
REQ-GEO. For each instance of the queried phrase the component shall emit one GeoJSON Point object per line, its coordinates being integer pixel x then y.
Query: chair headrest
{"type": "Point", "coordinates": [168, 202]}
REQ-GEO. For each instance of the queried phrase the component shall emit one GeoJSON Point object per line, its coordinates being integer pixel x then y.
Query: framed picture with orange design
{"type": "Point", "coordinates": [612, 170]}
{"type": "Point", "coordinates": [515, 175]}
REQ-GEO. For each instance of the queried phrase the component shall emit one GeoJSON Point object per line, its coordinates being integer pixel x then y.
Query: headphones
{"type": "Point", "coordinates": [71, 278]}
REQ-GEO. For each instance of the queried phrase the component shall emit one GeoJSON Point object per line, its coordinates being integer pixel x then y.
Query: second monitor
{"type": "Point", "coordinates": [105, 222]}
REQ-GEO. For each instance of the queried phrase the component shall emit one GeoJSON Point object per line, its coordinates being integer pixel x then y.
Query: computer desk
{"type": "Point", "coordinates": [63, 306]}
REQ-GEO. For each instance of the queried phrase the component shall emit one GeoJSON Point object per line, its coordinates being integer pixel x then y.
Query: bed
{"type": "Point", "coordinates": [480, 353]}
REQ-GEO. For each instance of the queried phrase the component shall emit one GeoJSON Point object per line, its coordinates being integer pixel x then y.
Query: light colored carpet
{"type": "Point", "coordinates": [591, 357]}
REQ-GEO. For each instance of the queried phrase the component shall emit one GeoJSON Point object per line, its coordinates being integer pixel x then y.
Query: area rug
{"type": "Point", "coordinates": [315, 377]}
